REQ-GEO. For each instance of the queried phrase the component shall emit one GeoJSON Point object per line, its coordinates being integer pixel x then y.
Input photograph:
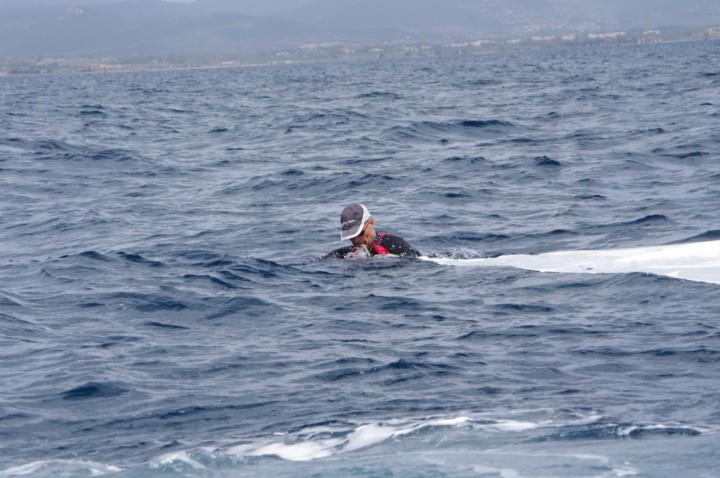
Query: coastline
{"type": "Point", "coordinates": [319, 54]}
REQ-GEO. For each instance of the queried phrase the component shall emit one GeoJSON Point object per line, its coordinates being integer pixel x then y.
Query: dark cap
{"type": "Point", "coordinates": [352, 221]}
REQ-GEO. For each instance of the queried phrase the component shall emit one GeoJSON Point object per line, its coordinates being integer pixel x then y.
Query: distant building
{"type": "Point", "coordinates": [543, 39]}
{"type": "Point", "coordinates": [650, 37]}
{"type": "Point", "coordinates": [316, 46]}
{"type": "Point", "coordinates": [712, 33]}
{"type": "Point", "coordinates": [607, 36]}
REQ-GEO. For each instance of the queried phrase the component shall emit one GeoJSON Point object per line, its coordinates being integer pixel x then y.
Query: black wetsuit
{"type": "Point", "coordinates": [384, 244]}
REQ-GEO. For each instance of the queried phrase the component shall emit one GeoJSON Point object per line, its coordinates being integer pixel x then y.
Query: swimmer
{"type": "Point", "coordinates": [358, 226]}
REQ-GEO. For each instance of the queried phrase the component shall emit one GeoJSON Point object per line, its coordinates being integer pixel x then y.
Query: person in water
{"type": "Point", "coordinates": [358, 226]}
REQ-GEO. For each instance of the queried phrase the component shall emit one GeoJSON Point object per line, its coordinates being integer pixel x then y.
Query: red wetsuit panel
{"type": "Point", "coordinates": [378, 248]}
{"type": "Point", "coordinates": [391, 244]}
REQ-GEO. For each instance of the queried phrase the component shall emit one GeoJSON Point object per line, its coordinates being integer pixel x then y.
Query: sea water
{"type": "Point", "coordinates": [163, 311]}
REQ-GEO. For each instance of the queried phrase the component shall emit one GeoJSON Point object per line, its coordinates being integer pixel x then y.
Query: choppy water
{"type": "Point", "coordinates": [163, 312]}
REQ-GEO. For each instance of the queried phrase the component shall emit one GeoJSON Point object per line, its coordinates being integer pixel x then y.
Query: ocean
{"type": "Point", "coordinates": [164, 311]}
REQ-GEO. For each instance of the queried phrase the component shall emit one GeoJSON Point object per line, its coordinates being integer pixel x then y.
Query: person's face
{"type": "Point", "coordinates": [367, 236]}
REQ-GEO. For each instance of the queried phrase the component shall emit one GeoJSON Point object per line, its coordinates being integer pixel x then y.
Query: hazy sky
{"type": "Point", "coordinates": [247, 6]}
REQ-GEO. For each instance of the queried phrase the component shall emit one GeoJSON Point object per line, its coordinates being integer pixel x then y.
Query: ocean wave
{"type": "Point", "coordinates": [18, 329]}
{"type": "Point", "coordinates": [162, 325]}
{"type": "Point", "coordinates": [244, 306]}
{"type": "Point", "coordinates": [483, 82]}
{"type": "Point", "coordinates": [139, 259]}
{"type": "Point", "coordinates": [601, 431]}
{"type": "Point", "coordinates": [700, 354]}
{"type": "Point", "coordinates": [380, 94]}
{"type": "Point", "coordinates": [323, 441]}
{"type": "Point", "coordinates": [92, 390]}
{"type": "Point", "coordinates": [312, 444]}
{"type": "Point", "coordinates": [688, 155]}
{"type": "Point", "coordinates": [321, 184]}
{"type": "Point", "coordinates": [465, 160]}
{"type": "Point", "coordinates": [144, 302]}
{"type": "Point", "coordinates": [468, 236]}
{"type": "Point", "coordinates": [6, 301]}
{"type": "Point", "coordinates": [711, 235]}
{"type": "Point", "coordinates": [371, 369]}
{"type": "Point", "coordinates": [546, 162]}
{"type": "Point", "coordinates": [54, 149]}
{"type": "Point", "coordinates": [60, 469]}
{"type": "Point", "coordinates": [97, 112]}
{"type": "Point", "coordinates": [94, 255]}
{"type": "Point", "coordinates": [458, 129]}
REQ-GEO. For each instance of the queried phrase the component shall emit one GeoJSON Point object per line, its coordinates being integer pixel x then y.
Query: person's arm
{"type": "Point", "coordinates": [398, 246]}
{"type": "Point", "coordinates": [338, 253]}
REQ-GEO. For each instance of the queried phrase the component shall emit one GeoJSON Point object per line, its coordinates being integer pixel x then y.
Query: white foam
{"type": "Point", "coordinates": [362, 436]}
{"type": "Point", "coordinates": [630, 429]}
{"type": "Point", "coordinates": [368, 435]}
{"type": "Point", "coordinates": [313, 443]}
{"type": "Point", "coordinates": [509, 473]}
{"type": "Point", "coordinates": [302, 451]}
{"type": "Point", "coordinates": [373, 433]}
{"type": "Point", "coordinates": [450, 422]}
{"type": "Point", "coordinates": [513, 425]}
{"type": "Point", "coordinates": [625, 471]}
{"type": "Point", "coordinates": [176, 457]}
{"type": "Point", "coordinates": [56, 467]}
{"type": "Point", "coordinates": [698, 261]}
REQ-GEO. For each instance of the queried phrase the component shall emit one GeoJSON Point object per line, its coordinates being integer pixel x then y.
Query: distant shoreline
{"type": "Point", "coordinates": [323, 54]}
{"type": "Point", "coordinates": [139, 68]}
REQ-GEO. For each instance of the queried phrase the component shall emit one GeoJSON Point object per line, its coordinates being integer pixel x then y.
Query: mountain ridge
{"type": "Point", "coordinates": [34, 28]}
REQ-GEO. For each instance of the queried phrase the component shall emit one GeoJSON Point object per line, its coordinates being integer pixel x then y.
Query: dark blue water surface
{"type": "Point", "coordinates": [163, 311]}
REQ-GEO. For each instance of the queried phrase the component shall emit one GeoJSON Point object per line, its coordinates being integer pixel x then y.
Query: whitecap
{"type": "Point", "coordinates": [60, 468]}
{"type": "Point", "coordinates": [514, 425]}
{"type": "Point", "coordinates": [170, 459]}
{"type": "Point", "coordinates": [368, 435]}
{"type": "Point", "coordinates": [306, 446]}
{"type": "Point", "coordinates": [624, 471]}
{"type": "Point", "coordinates": [698, 261]}
{"type": "Point", "coordinates": [302, 451]}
